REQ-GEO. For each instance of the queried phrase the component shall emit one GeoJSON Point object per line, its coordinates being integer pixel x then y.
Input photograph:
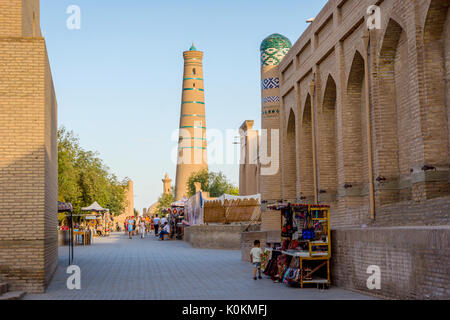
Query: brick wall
{"type": "Point", "coordinates": [413, 261]}
{"type": "Point", "coordinates": [215, 236]}
{"type": "Point", "coordinates": [28, 156]}
{"type": "Point", "coordinates": [409, 123]}
{"type": "Point", "coordinates": [409, 120]}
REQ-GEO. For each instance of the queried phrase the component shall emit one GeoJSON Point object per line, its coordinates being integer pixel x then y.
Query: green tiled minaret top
{"type": "Point", "coordinates": [193, 48]}
{"type": "Point", "coordinates": [273, 49]}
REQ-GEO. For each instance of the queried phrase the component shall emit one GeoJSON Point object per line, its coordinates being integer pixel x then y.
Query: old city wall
{"type": "Point", "coordinates": [28, 151]}
{"type": "Point", "coordinates": [408, 63]}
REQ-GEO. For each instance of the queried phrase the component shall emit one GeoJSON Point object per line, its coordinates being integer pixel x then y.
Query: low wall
{"type": "Point", "coordinates": [248, 238]}
{"type": "Point", "coordinates": [414, 261]}
{"type": "Point", "coordinates": [215, 236]}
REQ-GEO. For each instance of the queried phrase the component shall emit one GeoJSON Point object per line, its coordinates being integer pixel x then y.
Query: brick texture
{"type": "Point", "coordinates": [407, 59]}
{"type": "Point", "coordinates": [28, 151]}
{"type": "Point", "coordinates": [414, 261]}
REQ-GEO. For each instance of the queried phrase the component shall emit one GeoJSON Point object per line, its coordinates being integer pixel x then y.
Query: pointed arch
{"type": "Point", "coordinates": [353, 128]}
{"type": "Point", "coordinates": [436, 68]}
{"type": "Point", "coordinates": [305, 153]}
{"type": "Point", "coordinates": [327, 141]}
{"type": "Point", "coordinates": [392, 130]}
{"type": "Point", "coordinates": [290, 165]}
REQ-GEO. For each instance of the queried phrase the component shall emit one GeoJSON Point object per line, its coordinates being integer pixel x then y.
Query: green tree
{"type": "Point", "coordinates": [202, 176]}
{"type": "Point", "coordinates": [164, 201]}
{"type": "Point", "coordinates": [83, 177]}
{"type": "Point", "coordinates": [216, 184]}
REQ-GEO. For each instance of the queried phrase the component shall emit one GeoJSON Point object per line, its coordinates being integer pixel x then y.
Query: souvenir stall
{"type": "Point", "coordinates": [303, 256]}
{"type": "Point", "coordinates": [176, 218]}
{"type": "Point", "coordinates": [97, 219]}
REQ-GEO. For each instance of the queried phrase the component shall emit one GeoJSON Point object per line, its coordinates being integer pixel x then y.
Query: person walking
{"type": "Point", "coordinates": [156, 225]}
{"type": "Point", "coordinates": [152, 225]}
{"type": "Point", "coordinates": [134, 226]}
{"type": "Point", "coordinates": [130, 228]}
{"type": "Point", "coordinates": [142, 228]}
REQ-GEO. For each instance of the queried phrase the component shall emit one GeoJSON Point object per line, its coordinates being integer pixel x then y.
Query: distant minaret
{"type": "Point", "coordinates": [192, 141]}
{"type": "Point", "coordinates": [167, 188]}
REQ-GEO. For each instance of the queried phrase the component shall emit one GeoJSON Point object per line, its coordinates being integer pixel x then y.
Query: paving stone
{"type": "Point", "coordinates": [116, 267]}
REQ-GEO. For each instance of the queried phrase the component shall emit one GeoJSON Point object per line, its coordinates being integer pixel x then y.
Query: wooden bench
{"type": "Point", "coordinates": [166, 235]}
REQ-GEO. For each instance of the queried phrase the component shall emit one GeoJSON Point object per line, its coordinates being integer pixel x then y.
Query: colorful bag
{"type": "Point", "coordinates": [308, 234]}
{"type": "Point", "coordinates": [293, 275]}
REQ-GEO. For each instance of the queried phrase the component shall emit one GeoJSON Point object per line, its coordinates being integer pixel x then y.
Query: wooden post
{"type": "Point", "coordinates": [313, 129]}
{"type": "Point", "coordinates": [366, 41]}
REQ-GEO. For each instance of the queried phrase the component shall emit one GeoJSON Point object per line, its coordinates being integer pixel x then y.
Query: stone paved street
{"type": "Point", "coordinates": [118, 268]}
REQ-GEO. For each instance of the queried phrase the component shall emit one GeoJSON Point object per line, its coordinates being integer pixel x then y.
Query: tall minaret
{"type": "Point", "coordinates": [192, 141]}
{"type": "Point", "coordinates": [273, 49]}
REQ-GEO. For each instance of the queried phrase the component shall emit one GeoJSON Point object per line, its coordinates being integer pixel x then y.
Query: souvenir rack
{"type": "Point", "coordinates": [313, 253]}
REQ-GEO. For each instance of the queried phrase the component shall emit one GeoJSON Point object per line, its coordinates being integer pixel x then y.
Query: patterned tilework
{"type": "Point", "coordinates": [199, 102]}
{"type": "Point", "coordinates": [193, 115]}
{"type": "Point", "coordinates": [270, 83]}
{"type": "Point", "coordinates": [270, 99]}
{"type": "Point", "coordinates": [273, 49]}
{"type": "Point", "coordinates": [270, 111]}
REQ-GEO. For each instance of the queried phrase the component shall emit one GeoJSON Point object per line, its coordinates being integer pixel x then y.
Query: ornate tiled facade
{"type": "Point", "coordinates": [273, 49]}
{"type": "Point", "coordinates": [270, 83]}
{"type": "Point", "coordinates": [270, 99]}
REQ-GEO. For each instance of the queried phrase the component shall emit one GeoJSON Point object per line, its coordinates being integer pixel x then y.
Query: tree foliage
{"type": "Point", "coordinates": [164, 201]}
{"type": "Point", "coordinates": [215, 183]}
{"type": "Point", "coordinates": [83, 177]}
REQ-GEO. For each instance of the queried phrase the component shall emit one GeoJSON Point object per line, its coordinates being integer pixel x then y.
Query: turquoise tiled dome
{"type": "Point", "coordinates": [274, 48]}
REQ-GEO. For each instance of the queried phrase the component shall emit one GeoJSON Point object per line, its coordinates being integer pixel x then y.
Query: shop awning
{"type": "Point", "coordinates": [94, 207]}
{"type": "Point", "coordinates": [64, 207]}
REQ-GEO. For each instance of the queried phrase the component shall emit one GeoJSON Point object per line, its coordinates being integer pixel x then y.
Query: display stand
{"type": "Point", "coordinates": [313, 253]}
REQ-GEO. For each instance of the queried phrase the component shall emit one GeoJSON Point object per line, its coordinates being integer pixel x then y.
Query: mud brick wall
{"type": "Point", "coordinates": [28, 151]}
{"type": "Point", "coordinates": [414, 261]}
{"type": "Point", "coordinates": [216, 236]}
{"type": "Point", "coordinates": [408, 64]}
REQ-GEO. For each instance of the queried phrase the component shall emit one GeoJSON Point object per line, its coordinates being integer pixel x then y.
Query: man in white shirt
{"type": "Point", "coordinates": [256, 258]}
{"type": "Point", "coordinates": [156, 222]}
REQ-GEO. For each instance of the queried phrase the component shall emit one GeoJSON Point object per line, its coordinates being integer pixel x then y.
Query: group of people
{"type": "Point", "coordinates": [145, 225]}
{"type": "Point", "coordinates": [134, 226]}
{"type": "Point", "coordinates": [163, 224]}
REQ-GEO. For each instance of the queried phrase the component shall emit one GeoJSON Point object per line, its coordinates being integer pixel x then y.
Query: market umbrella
{"type": "Point", "coordinates": [64, 207]}
{"type": "Point", "coordinates": [94, 207]}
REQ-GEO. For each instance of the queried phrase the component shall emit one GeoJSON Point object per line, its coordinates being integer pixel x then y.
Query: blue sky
{"type": "Point", "coordinates": [118, 79]}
